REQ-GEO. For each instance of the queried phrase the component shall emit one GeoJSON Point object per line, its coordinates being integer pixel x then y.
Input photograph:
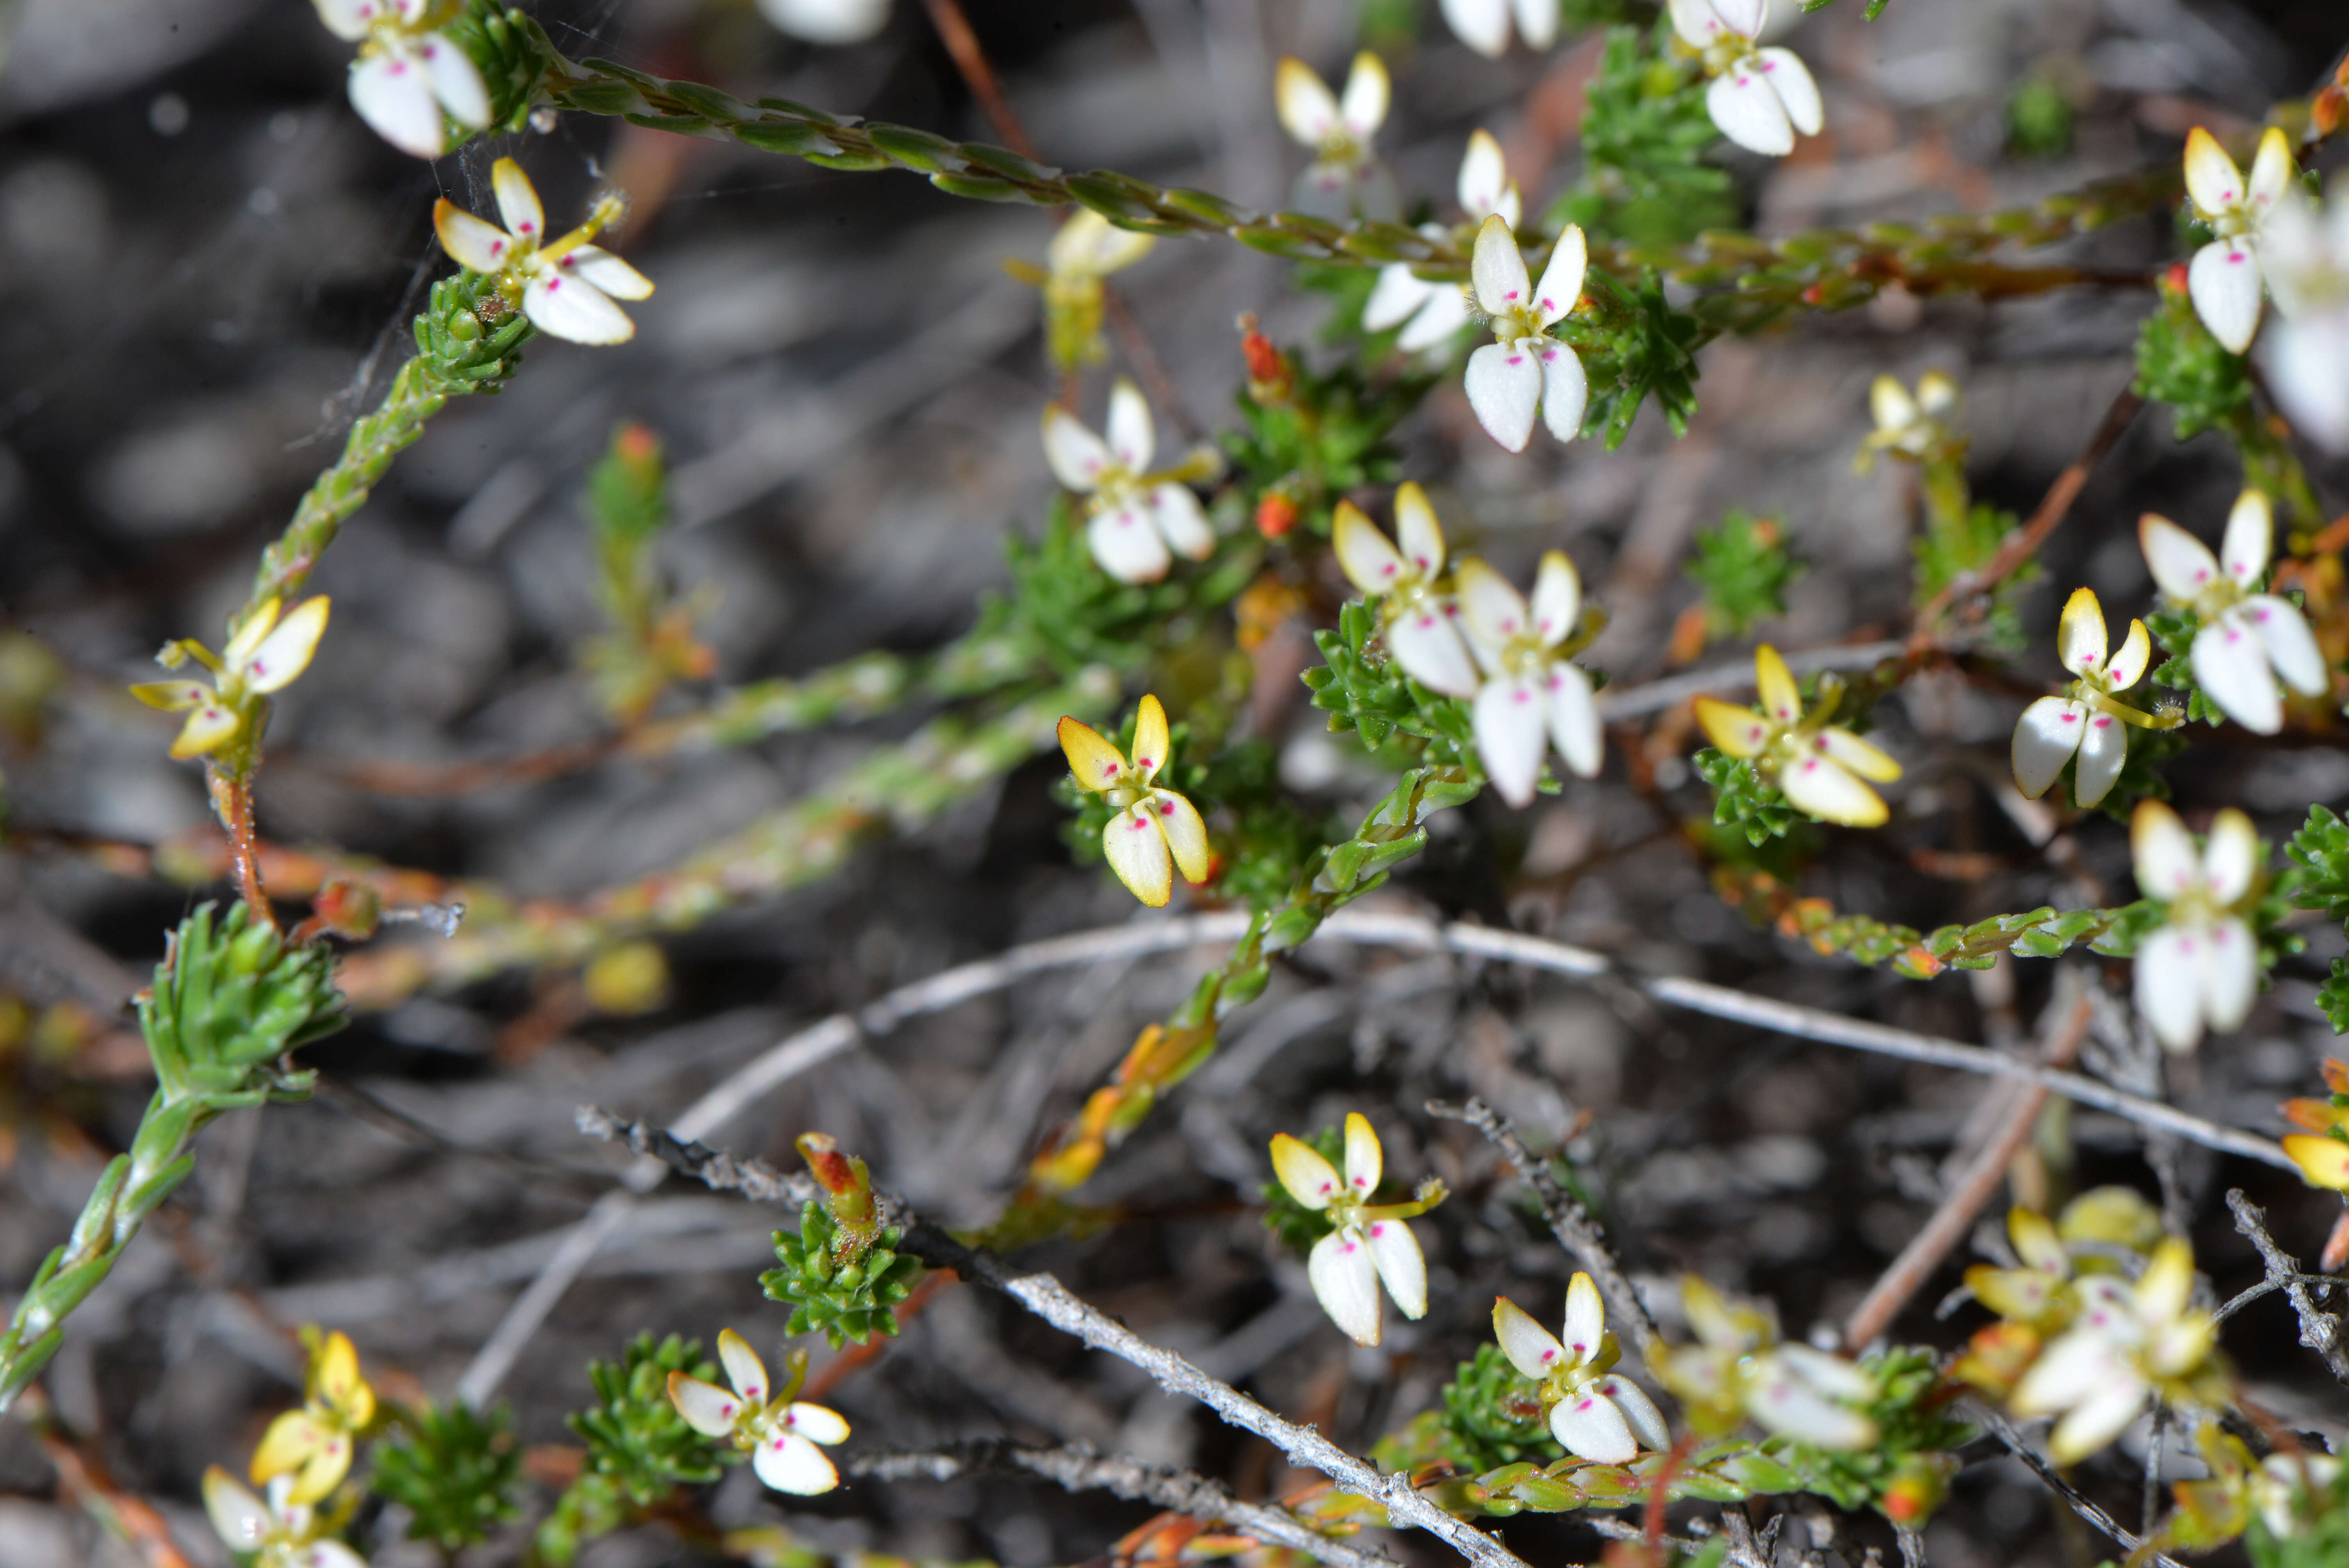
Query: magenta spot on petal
{"type": "Point", "coordinates": [1517, 360]}
{"type": "Point", "coordinates": [399, 67]}
{"type": "Point", "coordinates": [1418, 560]}
{"type": "Point", "coordinates": [1377, 1231]}
{"type": "Point", "coordinates": [2071, 719]}
{"type": "Point", "coordinates": [1521, 695]}
{"type": "Point", "coordinates": [1141, 762]}
{"type": "Point", "coordinates": [259, 668]}
{"type": "Point", "coordinates": [554, 284]}
{"type": "Point", "coordinates": [1548, 304]}
{"type": "Point", "coordinates": [1580, 1348]}
{"type": "Point", "coordinates": [2103, 723]}
{"type": "Point", "coordinates": [1349, 1249]}
{"type": "Point", "coordinates": [1110, 768]}
{"type": "Point", "coordinates": [1167, 809]}
{"type": "Point", "coordinates": [1510, 294]}
{"type": "Point", "coordinates": [1389, 570]}
{"type": "Point", "coordinates": [1769, 66]}
{"type": "Point", "coordinates": [2218, 937]}
{"type": "Point", "coordinates": [1584, 1403]}
{"type": "Point", "coordinates": [726, 1410]}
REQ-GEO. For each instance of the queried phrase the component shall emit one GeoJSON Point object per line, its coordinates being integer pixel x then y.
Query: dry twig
{"type": "Point", "coordinates": [2319, 1330]}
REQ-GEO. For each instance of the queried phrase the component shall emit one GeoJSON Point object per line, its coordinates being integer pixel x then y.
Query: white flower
{"type": "Point", "coordinates": [1527, 368]}
{"type": "Point", "coordinates": [1344, 179]}
{"type": "Point", "coordinates": [1533, 695]}
{"type": "Point", "coordinates": [1437, 310]}
{"type": "Point", "coordinates": [1816, 765]}
{"type": "Point", "coordinates": [2247, 639]}
{"type": "Point", "coordinates": [1601, 1418]}
{"type": "Point", "coordinates": [1759, 97]}
{"type": "Point", "coordinates": [780, 1433]}
{"type": "Point", "coordinates": [827, 21]}
{"type": "Point", "coordinates": [1484, 24]}
{"type": "Point", "coordinates": [1420, 620]}
{"type": "Point", "coordinates": [2086, 721]}
{"type": "Point", "coordinates": [408, 71]}
{"type": "Point", "coordinates": [2202, 966]}
{"type": "Point", "coordinates": [2223, 279]}
{"type": "Point", "coordinates": [277, 1533]}
{"type": "Point", "coordinates": [1370, 1246]}
{"type": "Point", "coordinates": [2288, 1490]}
{"type": "Point", "coordinates": [2304, 255]}
{"type": "Point", "coordinates": [267, 654]}
{"type": "Point", "coordinates": [1739, 1367]}
{"type": "Point", "coordinates": [565, 286]}
{"type": "Point", "coordinates": [1916, 427]}
{"type": "Point", "coordinates": [2127, 1344]}
{"type": "Point", "coordinates": [1137, 514]}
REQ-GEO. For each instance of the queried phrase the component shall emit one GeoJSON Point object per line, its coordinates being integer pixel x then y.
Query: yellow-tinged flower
{"type": "Point", "coordinates": [2322, 1151]}
{"type": "Point", "coordinates": [275, 1531]}
{"type": "Point", "coordinates": [565, 285]}
{"type": "Point", "coordinates": [779, 1433]}
{"type": "Point", "coordinates": [1344, 179]}
{"type": "Point", "coordinates": [1370, 1245]}
{"type": "Point", "coordinates": [2247, 640]}
{"type": "Point", "coordinates": [1084, 250]}
{"type": "Point", "coordinates": [2202, 966]}
{"type": "Point", "coordinates": [2126, 1344]}
{"type": "Point", "coordinates": [1739, 1367]}
{"type": "Point", "coordinates": [1916, 427]}
{"type": "Point", "coordinates": [1151, 825]}
{"type": "Point", "coordinates": [2038, 1293]}
{"type": "Point", "coordinates": [1597, 1416]}
{"type": "Point", "coordinates": [1139, 512]}
{"type": "Point", "coordinates": [1421, 623]}
{"type": "Point", "coordinates": [2087, 721]}
{"type": "Point", "coordinates": [267, 655]}
{"type": "Point", "coordinates": [1817, 767]}
{"type": "Point", "coordinates": [313, 1445]}
{"type": "Point", "coordinates": [2223, 278]}
{"type": "Point", "coordinates": [2036, 1300]}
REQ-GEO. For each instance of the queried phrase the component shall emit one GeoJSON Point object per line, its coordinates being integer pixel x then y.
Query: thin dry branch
{"type": "Point", "coordinates": [1999, 1428]}
{"type": "Point", "coordinates": [2319, 1330]}
{"type": "Point", "coordinates": [1078, 1468]}
{"type": "Point", "coordinates": [1570, 1222]}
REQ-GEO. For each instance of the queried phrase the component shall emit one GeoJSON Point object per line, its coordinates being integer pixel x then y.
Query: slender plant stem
{"type": "Point", "coordinates": [962, 44]}
{"type": "Point", "coordinates": [2000, 1427]}
{"type": "Point", "coordinates": [2319, 1329]}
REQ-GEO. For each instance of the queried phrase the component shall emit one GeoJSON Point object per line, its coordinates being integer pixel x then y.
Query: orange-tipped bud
{"type": "Point", "coordinates": [1276, 514]}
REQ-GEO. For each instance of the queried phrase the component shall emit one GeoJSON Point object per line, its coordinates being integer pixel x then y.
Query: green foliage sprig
{"type": "Point", "coordinates": [1636, 349]}
{"type": "Point", "coordinates": [839, 1294]}
{"type": "Point", "coordinates": [456, 1473]}
{"type": "Point", "coordinates": [1905, 1472]}
{"type": "Point", "coordinates": [1958, 542]}
{"type": "Point", "coordinates": [1744, 569]}
{"type": "Point", "coordinates": [1492, 1416]}
{"type": "Point", "coordinates": [1645, 136]}
{"type": "Point", "coordinates": [2320, 853]}
{"type": "Point", "coordinates": [1742, 800]}
{"type": "Point", "coordinates": [639, 1449]}
{"type": "Point", "coordinates": [229, 1001]}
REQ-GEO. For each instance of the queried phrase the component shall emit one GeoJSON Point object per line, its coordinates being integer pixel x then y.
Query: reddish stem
{"type": "Point", "coordinates": [232, 798]}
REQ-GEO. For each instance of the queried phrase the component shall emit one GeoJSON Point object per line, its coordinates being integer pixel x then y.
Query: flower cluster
{"type": "Point", "coordinates": [1591, 1412]}
{"type": "Point", "coordinates": [1368, 1244]}
{"type": "Point", "coordinates": [1152, 827]}
{"type": "Point", "coordinates": [267, 655]}
{"type": "Point", "coordinates": [2126, 1344]}
{"type": "Point", "coordinates": [1819, 767]}
{"type": "Point", "coordinates": [1344, 179]}
{"type": "Point", "coordinates": [1138, 514]}
{"type": "Point", "coordinates": [408, 74]}
{"type": "Point", "coordinates": [1758, 98]}
{"type": "Point", "coordinates": [1477, 638]}
{"type": "Point", "coordinates": [566, 285]}
{"type": "Point", "coordinates": [778, 1431]}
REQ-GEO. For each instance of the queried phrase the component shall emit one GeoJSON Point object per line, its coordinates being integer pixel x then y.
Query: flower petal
{"type": "Point", "coordinates": [1444, 314]}
{"type": "Point", "coordinates": [1364, 1161]}
{"type": "Point", "coordinates": [2080, 642]}
{"type": "Point", "coordinates": [1815, 785]}
{"type": "Point", "coordinates": [472, 243]}
{"type": "Point", "coordinates": [817, 1423]}
{"type": "Point", "coordinates": [605, 273]}
{"type": "Point", "coordinates": [2324, 1162]}
{"type": "Point", "coordinates": [2103, 751]}
{"type": "Point", "coordinates": [1574, 726]}
{"type": "Point", "coordinates": [329, 1554]}
{"type": "Point", "coordinates": [1370, 563]}
{"type": "Point", "coordinates": [173, 696]}
{"type": "Point", "coordinates": [1830, 1375]}
{"type": "Point", "coordinates": [1530, 1347]}
{"type": "Point", "coordinates": [240, 1517]}
{"type": "Point", "coordinates": [1782, 699]}
{"type": "Point", "coordinates": [1537, 21]}
{"type": "Point", "coordinates": [1891, 406]}
{"type": "Point", "coordinates": [456, 81]}
{"type": "Point", "coordinates": [569, 309]}
{"type": "Point", "coordinates": [1561, 279]}
{"type": "Point", "coordinates": [1132, 441]}
{"type": "Point", "coordinates": [1137, 853]}
{"type": "Point", "coordinates": [2250, 539]}
{"type": "Point", "coordinates": [207, 730]}
{"type": "Point", "coordinates": [1307, 111]}
{"type": "Point", "coordinates": [393, 94]}
{"type": "Point", "coordinates": [1646, 1423]}
{"type": "Point", "coordinates": [743, 1368]}
{"type": "Point", "coordinates": [1492, 612]}
{"type": "Point", "coordinates": [1310, 1179]}
{"type": "Point", "coordinates": [1789, 1406]}
{"type": "Point", "coordinates": [2170, 965]}
{"type": "Point", "coordinates": [280, 659]}
{"type": "Point", "coordinates": [1842, 746]}
{"type": "Point", "coordinates": [1428, 647]}
{"type": "Point", "coordinates": [1074, 454]}
{"type": "Point", "coordinates": [1484, 175]}
{"type": "Point", "coordinates": [2162, 851]}
{"type": "Point", "coordinates": [1482, 24]}
{"type": "Point", "coordinates": [2230, 975]}
{"type": "Point", "coordinates": [1585, 1317]}
{"type": "Point", "coordinates": [1566, 390]}
{"type": "Point", "coordinates": [2045, 737]}
{"type": "Point", "coordinates": [2212, 177]}
{"type": "Point", "coordinates": [1590, 1426]}
{"type": "Point", "coordinates": [1397, 297]}
{"type": "Point", "coordinates": [2231, 857]}
{"type": "Point", "coordinates": [288, 1444]}
{"type": "Point", "coordinates": [788, 1462]}
{"type": "Point", "coordinates": [1126, 541]}
{"type": "Point", "coordinates": [1153, 740]}
{"type": "Point", "coordinates": [1097, 764]}
{"type": "Point", "coordinates": [1368, 93]}
{"type": "Point", "coordinates": [2290, 646]}
{"type": "Point", "coordinates": [1416, 530]}
{"type": "Point", "coordinates": [1742, 17]}
{"type": "Point", "coordinates": [1738, 731]}
{"type": "Point", "coordinates": [706, 1408]}
{"type": "Point", "coordinates": [1504, 389]}
{"type": "Point", "coordinates": [1511, 735]}
{"type": "Point", "coordinates": [2271, 171]}
{"type": "Point", "coordinates": [1696, 22]}
{"type": "Point", "coordinates": [1401, 1266]}
{"type": "Point", "coordinates": [1345, 1281]}
{"type": "Point", "coordinates": [1187, 834]}
{"type": "Point", "coordinates": [2096, 1420]}
{"type": "Point", "coordinates": [2127, 666]}
{"type": "Point", "coordinates": [1791, 79]}
{"type": "Point", "coordinates": [1498, 268]}
{"type": "Point", "coordinates": [348, 19]}
{"type": "Point", "coordinates": [2223, 282]}
{"type": "Point", "coordinates": [2231, 664]}
{"type": "Point", "coordinates": [2182, 566]}
{"type": "Point", "coordinates": [1747, 110]}
{"type": "Point", "coordinates": [518, 207]}
{"type": "Point", "coordinates": [2307, 363]}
